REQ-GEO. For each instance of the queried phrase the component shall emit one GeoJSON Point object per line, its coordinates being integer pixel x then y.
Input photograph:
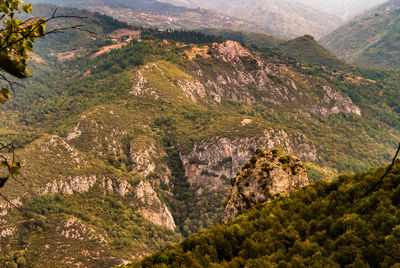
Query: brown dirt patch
{"type": "Point", "coordinates": [107, 49]}
{"type": "Point", "coordinates": [194, 51]}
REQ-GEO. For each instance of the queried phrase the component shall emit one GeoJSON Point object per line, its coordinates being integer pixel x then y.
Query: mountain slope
{"type": "Point", "coordinates": [347, 9]}
{"type": "Point", "coordinates": [288, 19]}
{"type": "Point", "coordinates": [306, 49]}
{"type": "Point", "coordinates": [128, 150]}
{"type": "Point", "coordinates": [155, 14]}
{"type": "Point", "coordinates": [370, 39]}
{"type": "Point", "coordinates": [324, 224]}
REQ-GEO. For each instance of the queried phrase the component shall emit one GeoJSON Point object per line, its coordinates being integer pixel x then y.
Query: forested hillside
{"type": "Point", "coordinates": [128, 146]}
{"type": "Point", "coordinates": [370, 40]}
{"type": "Point", "coordinates": [324, 224]}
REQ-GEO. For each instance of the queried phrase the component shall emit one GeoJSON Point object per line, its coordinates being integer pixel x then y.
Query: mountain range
{"type": "Point", "coordinates": [282, 19]}
{"type": "Point", "coordinates": [370, 39]}
{"type": "Point", "coordinates": [289, 18]}
{"type": "Point", "coordinates": [347, 9]}
{"type": "Point", "coordinates": [155, 14]}
{"type": "Point", "coordinates": [129, 146]}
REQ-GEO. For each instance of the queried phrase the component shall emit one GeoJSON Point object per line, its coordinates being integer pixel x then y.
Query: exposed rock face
{"type": "Point", "coordinates": [151, 207]}
{"type": "Point", "coordinates": [245, 77]}
{"type": "Point", "coordinates": [192, 89]}
{"type": "Point", "coordinates": [147, 158]}
{"type": "Point", "coordinates": [72, 184]}
{"type": "Point", "coordinates": [141, 87]}
{"type": "Point", "coordinates": [276, 85]}
{"type": "Point", "coordinates": [211, 163]}
{"type": "Point", "coordinates": [73, 228]}
{"type": "Point", "coordinates": [265, 175]}
{"type": "Point", "coordinates": [231, 50]}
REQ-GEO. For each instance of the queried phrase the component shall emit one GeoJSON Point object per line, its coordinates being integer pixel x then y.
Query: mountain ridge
{"type": "Point", "coordinates": [369, 39]}
{"type": "Point", "coordinates": [288, 19]}
{"type": "Point", "coordinates": [155, 14]}
{"type": "Point", "coordinates": [114, 144]}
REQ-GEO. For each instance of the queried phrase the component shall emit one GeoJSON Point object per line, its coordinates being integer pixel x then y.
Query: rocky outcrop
{"type": "Point", "coordinates": [265, 175]}
{"type": "Point", "coordinates": [231, 50]}
{"type": "Point", "coordinates": [212, 163]}
{"type": "Point", "coordinates": [79, 184]}
{"type": "Point", "coordinates": [74, 228]}
{"type": "Point", "coordinates": [82, 184]}
{"type": "Point", "coordinates": [147, 157]}
{"type": "Point", "coordinates": [192, 89]}
{"type": "Point", "coordinates": [238, 74]}
{"type": "Point", "coordinates": [151, 207]}
{"type": "Point", "coordinates": [140, 86]}
{"type": "Point", "coordinates": [251, 79]}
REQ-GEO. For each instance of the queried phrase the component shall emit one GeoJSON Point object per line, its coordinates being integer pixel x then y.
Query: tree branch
{"type": "Point", "coordinates": [384, 175]}
{"type": "Point", "coordinates": [11, 203]}
{"type": "Point", "coordinates": [28, 34]}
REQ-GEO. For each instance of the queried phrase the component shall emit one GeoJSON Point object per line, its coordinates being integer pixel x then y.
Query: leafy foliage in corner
{"type": "Point", "coordinates": [17, 37]}
{"type": "Point", "coordinates": [324, 224]}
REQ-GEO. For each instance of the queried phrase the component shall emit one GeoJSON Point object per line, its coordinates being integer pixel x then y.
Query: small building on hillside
{"type": "Point", "coordinates": [132, 35]}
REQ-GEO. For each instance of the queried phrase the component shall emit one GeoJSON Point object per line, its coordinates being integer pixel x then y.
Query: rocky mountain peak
{"type": "Point", "coordinates": [232, 50]}
{"type": "Point", "coordinates": [265, 175]}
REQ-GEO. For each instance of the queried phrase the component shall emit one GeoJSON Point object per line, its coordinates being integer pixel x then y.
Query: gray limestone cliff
{"type": "Point", "coordinates": [212, 163]}
{"type": "Point", "coordinates": [265, 175]}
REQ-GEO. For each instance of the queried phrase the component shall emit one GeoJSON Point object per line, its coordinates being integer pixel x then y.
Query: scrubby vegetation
{"type": "Point", "coordinates": [100, 222]}
{"type": "Point", "coordinates": [94, 90]}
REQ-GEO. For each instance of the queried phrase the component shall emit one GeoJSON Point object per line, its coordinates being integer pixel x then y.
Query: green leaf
{"type": "Point", "coordinates": [15, 169]}
{"type": "Point", "coordinates": [27, 8]}
{"type": "Point", "coordinates": [41, 29]}
{"type": "Point", "coordinates": [11, 67]}
{"type": "Point", "coordinates": [28, 45]}
{"type": "Point", "coordinates": [5, 92]}
{"type": "Point", "coordinates": [3, 181]}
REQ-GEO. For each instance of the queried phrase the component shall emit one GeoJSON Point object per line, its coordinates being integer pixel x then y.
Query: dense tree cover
{"type": "Point", "coordinates": [189, 37]}
{"type": "Point", "coordinates": [243, 37]}
{"type": "Point", "coordinates": [324, 224]}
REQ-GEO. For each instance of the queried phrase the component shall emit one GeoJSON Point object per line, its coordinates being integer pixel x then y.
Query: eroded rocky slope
{"type": "Point", "coordinates": [266, 174]}
{"type": "Point", "coordinates": [152, 158]}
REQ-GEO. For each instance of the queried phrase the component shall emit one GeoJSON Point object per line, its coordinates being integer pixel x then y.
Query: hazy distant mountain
{"type": "Point", "coordinates": [155, 14]}
{"type": "Point", "coordinates": [371, 39]}
{"type": "Point", "coordinates": [345, 8]}
{"type": "Point", "coordinates": [290, 17]}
